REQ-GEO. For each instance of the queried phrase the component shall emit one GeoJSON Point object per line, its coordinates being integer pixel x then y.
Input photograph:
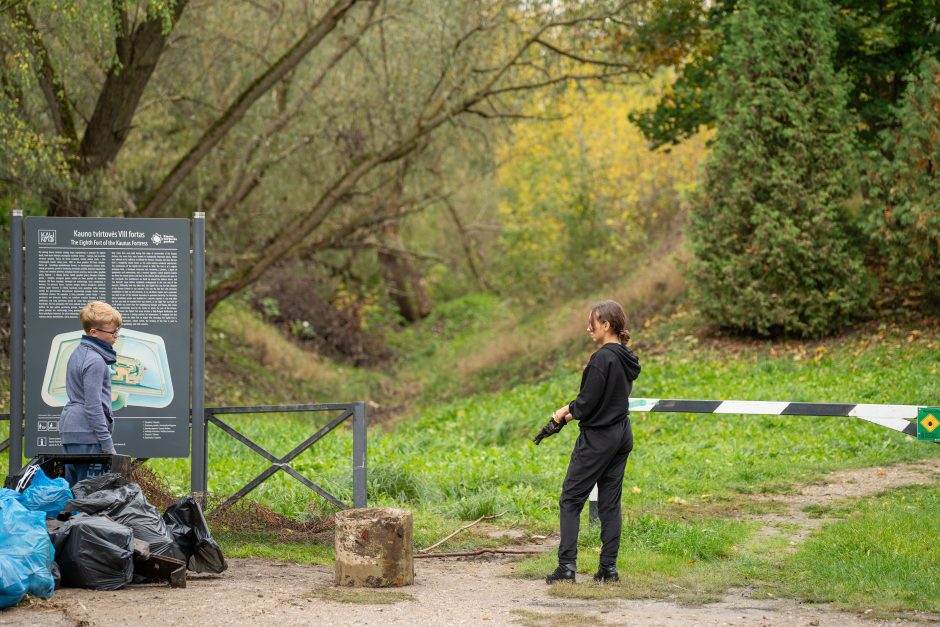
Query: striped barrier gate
{"type": "Point", "coordinates": [917, 421]}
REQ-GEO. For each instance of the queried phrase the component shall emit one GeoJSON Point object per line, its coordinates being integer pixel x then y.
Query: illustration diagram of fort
{"type": "Point", "coordinates": [139, 377]}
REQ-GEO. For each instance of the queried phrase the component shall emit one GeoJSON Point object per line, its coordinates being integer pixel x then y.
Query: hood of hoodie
{"type": "Point", "coordinates": [631, 364]}
{"type": "Point", "coordinates": [105, 350]}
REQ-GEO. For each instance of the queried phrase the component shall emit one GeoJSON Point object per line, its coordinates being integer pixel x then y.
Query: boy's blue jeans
{"type": "Point", "coordinates": [76, 472]}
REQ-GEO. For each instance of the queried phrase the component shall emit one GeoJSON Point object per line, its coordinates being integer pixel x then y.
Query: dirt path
{"type": "Point", "coordinates": [460, 592]}
{"type": "Point", "coordinates": [840, 488]}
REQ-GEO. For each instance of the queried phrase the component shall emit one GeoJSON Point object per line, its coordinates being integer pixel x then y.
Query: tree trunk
{"type": "Point", "coordinates": [405, 281]}
{"type": "Point", "coordinates": [110, 124]}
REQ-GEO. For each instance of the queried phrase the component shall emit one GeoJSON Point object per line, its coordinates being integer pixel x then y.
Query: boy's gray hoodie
{"type": "Point", "coordinates": [86, 418]}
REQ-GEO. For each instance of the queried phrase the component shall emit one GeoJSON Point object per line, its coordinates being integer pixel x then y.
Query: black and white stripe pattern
{"type": "Point", "coordinates": [896, 417]}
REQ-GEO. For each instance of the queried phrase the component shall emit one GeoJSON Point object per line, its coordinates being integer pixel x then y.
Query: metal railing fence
{"type": "Point", "coordinates": [356, 411]}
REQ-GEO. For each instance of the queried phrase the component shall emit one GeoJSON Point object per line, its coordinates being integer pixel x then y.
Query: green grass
{"type": "Point", "coordinates": [474, 456]}
{"type": "Point", "coordinates": [686, 493]}
{"type": "Point", "coordinates": [254, 544]}
{"type": "Point", "coordinates": [659, 556]}
{"type": "Point", "coordinates": [883, 556]}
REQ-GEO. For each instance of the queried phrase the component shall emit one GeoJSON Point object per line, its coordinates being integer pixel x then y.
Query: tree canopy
{"type": "Point", "coordinates": [878, 45]}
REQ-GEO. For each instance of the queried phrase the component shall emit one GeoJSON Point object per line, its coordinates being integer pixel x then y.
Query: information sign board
{"type": "Point", "coordinates": [141, 267]}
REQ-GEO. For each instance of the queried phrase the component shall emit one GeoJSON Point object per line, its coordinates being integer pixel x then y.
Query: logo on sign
{"type": "Point", "coordinates": [158, 239]}
{"type": "Point", "coordinates": [47, 237]}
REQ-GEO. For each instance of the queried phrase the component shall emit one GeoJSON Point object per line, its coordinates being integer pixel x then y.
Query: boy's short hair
{"type": "Point", "coordinates": [98, 313]}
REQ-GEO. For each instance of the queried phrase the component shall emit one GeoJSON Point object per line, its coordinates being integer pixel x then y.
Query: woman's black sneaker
{"type": "Point", "coordinates": [606, 574]}
{"type": "Point", "coordinates": [564, 572]}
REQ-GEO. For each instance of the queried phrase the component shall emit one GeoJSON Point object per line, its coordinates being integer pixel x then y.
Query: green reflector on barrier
{"type": "Point", "coordinates": [928, 423]}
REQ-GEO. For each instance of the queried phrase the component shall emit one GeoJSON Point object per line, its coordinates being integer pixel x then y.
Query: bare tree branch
{"type": "Point", "coordinates": [249, 181]}
{"type": "Point", "coordinates": [442, 111]}
{"type": "Point", "coordinates": [122, 41]}
{"type": "Point", "coordinates": [570, 55]}
{"type": "Point", "coordinates": [240, 185]}
{"type": "Point", "coordinates": [220, 128]}
{"type": "Point", "coordinates": [513, 116]}
{"type": "Point", "coordinates": [564, 78]}
{"type": "Point", "coordinates": [481, 552]}
{"type": "Point", "coordinates": [465, 242]}
{"type": "Point", "coordinates": [385, 248]}
{"type": "Point", "coordinates": [464, 528]}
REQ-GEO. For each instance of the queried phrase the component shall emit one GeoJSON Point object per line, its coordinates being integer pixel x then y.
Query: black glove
{"type": "Point", "coordinates": [550, 429]}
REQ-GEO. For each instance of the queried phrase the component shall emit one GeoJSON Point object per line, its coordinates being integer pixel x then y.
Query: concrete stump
{"type": "Point", "coordinates": [374, 548]}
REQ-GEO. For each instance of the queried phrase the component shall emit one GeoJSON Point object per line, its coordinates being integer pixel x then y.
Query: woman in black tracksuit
{"type": "Point", "coordinates": [606, 439]}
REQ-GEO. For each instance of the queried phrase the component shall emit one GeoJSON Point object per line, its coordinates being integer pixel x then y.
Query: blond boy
{"type": "Point", "coordinates": [86, 422]}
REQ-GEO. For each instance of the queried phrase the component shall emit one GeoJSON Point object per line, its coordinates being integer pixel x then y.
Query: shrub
{"type": "Point", "coordinates": [907, 212]}
{"type": "Point", "coordinates": [771, 233]}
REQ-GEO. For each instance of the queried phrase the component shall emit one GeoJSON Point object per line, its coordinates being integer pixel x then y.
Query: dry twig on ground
{"type": "Point", "coordinates": [465, 527]}
{"type": "Point", "coordinates": [481, 552]}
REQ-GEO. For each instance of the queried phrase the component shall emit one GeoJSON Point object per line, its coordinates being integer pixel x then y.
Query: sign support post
{"type": "Point", "coordinates": [16, 341]}
{"type": "Point", "coordinates": [199, 472]}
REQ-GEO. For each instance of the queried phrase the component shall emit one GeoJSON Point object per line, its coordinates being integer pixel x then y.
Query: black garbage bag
{"type": "Point", "coordinates": [188, 526]}
{"type": "Point", "coordinates": [128, 506]}
{"type": "Point", "coordinates": [56, 575]}
{"type": "Point", "coordinates": [107, 481]}
{"type": "Point", "coordinates": [94, 552]}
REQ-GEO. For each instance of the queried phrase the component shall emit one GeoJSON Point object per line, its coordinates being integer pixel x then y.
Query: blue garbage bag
{"type": "Point", "coordinates": [46, 495]}
{"type": "Point", "coordinates": [12, 582]}
{"type": "Point", "coordinates": [13, 495]}
{"type": "Point", "coordinates": [26, 554]}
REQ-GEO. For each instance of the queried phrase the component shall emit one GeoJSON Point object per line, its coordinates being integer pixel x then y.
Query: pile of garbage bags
{"type": "Point", "coordinates": [108, 527]}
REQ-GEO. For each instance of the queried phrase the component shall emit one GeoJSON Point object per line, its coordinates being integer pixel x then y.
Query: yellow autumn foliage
{"type": "Point", "coordinates": [583, 195]}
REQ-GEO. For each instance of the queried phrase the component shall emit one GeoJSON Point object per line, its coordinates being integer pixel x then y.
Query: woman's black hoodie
{"type": "Point", "coordinates": [606, 383]}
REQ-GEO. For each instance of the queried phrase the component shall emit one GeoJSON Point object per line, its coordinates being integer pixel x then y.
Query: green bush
{"type": "Point", "coordinates": [907, 212]}
{"type": "Point", "coordinates": [771, 232]}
